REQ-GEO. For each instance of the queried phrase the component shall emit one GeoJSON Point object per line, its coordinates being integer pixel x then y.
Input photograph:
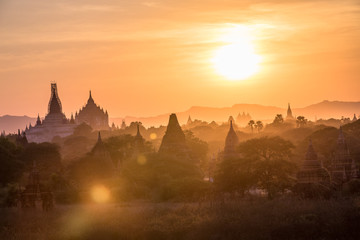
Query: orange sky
{"type": "Point", "coordinates": [144, 58]}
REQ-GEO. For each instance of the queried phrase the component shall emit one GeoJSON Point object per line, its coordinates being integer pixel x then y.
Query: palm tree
{"type": "Point", "coordinates": [278, 119]}
{"type": "Point", "coordinates": [301, 121]}
{"type": "Point", "coordinates": [251, 124]}
{"type": "Point", "coordinates": [259, 125]}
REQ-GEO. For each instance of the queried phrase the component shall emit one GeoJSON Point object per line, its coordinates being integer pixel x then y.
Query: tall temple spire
{"type": "Point", "coordinates": [289, 112]}
{"type": "Point", "coordinates": [38, 121]}
{"type": "Point", "coordinates": [54, 103]}
{"type": "Point", "coordinates": [354, 118]}
{"type": "Point", "coordinates": [90, 100]}
{"type": "Point", "coordinates": [138, 131]}
{"type": "Point", "coordinates": [231, 141]}
{"type": "Point", "coordinates": [189, 121]}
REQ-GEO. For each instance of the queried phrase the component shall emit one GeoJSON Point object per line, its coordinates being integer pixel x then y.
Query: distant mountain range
{"type": "Point", "coordinates": [324, 109]}
{"type": "Point", "coordinates": [10, 124]}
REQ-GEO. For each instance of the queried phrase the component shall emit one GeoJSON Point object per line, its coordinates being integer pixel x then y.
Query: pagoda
{"type": "Point", "coordinates": [312, 170]}
{"type": "Point", "coordinates": [343, 167]}
{"type": "Point", "coordinates": [54, 124]}
{"type": "Point", "coordinates": [174, 142]}
{"type": "Point", "coordinates": [231, 142]}
{"type": "Point", "coordinates": [93, 115]}
{"type": "Point", "coordinates": [289, 115]}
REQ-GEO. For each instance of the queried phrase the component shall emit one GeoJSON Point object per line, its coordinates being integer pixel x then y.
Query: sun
{"type": "Point", "coordinates": [237, 59]}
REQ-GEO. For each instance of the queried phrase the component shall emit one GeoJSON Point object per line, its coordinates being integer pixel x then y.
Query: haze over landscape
{"type": "Point", "coordinates": [192, 119]}
{"type": "Point", "coordinates": [149, 58]}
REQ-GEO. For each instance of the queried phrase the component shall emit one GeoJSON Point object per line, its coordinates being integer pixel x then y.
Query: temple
{"type": "Point", "coordinates": [189, 121]}
{"type": "Point", "coordinates": [100, 152]}
{"type": "Point", "coordinates": [139, 140]}
{"type": "Point", "coordinates": [231, 142]}
{"type": "Point", "coordinates": [343, 167]}
{"type": "Point", "coordinates": [173, 142]}
{"type": "Point", "coordinates": [312, 170]}
{"type": "Point", "coordinates": [93, 115]}
{"type": "Point", "coordinates": [289, 115]}
{"type": "Point", "coordinates": [54, 124]}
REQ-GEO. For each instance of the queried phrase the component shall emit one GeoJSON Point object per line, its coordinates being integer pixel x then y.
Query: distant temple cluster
{"type": "Point", "coordinates": [56, 123]}
{"type": "Point", "coordinates": [342, 168]}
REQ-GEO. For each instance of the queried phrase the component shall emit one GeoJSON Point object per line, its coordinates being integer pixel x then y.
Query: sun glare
{"type": "Point", "coordinates": [100, 194]}
{"type": "Point", "coordinates": [237, 59]}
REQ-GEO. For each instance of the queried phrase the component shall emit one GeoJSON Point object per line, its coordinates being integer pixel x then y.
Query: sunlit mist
{"type": "Point", "coordinates": [141, 159]}
{"type": "Point", "coordinates": [153, 136]}
{"type": "Point", "coordinates": [100, 194]}
{"type": "Point", "coordinates": [237, 59]}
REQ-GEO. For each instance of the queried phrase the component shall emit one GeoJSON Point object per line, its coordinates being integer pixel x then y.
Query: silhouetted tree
{"type": "Point", "coordinates": [235, 175]}
{"type": "Point", "coordinates": [269, 157]}
{"type": "Point", "coordinates": [301, 121]}
{"type": "Point", "coordinates": [251, 124]}
{"type": "Point", "coordinates": [47, 157]}
{"type": "Point", "coordinates": [10, 167]}
{"type": "Point", "coordinates": [259, 125]}
{"type": "Point", "coordinates": [278, 119]}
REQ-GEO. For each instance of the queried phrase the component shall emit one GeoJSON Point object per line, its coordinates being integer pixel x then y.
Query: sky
{"type": "Point", "coordinates": [145, 58]}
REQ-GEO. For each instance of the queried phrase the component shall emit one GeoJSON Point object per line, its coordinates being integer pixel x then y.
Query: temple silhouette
{"type": "Point", "coordinates": [93, 115]}
{"type": "Point", "coordinates": [56, 124]}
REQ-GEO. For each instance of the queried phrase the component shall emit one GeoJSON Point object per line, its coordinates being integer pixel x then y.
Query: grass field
{"type": "Point", "coordinates": [244, 219]}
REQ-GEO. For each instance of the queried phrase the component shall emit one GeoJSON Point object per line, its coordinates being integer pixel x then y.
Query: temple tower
{"type": "Point", "coordinates": [99, 151]}
{"type": "Point", "coordinates": [189, 121]}
{"type": "Point", "coordinates": [231, 142]}
{"type": "Point", "coordinates": [173, 141]}
{"type": "Point", "coordinates": [289, 115]}
{"type": "Point", "coordinates": [343, 168]}
{"type": "Point", "coordinates": [311, 170]}
{"type": "Point", "coordinates": [54, 124]}
{"type": "Point", "coordinates": [139, 140]}
{"type": "Point", "coordinates": [93, 115]}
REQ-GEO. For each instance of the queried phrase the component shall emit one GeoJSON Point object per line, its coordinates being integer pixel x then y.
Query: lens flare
{"type": "Point", "coordinates": [153, 136]}
{"type": "Point", "coordinates": [141, 159]}
{"type": "Point", "coordinates": [100, 194]}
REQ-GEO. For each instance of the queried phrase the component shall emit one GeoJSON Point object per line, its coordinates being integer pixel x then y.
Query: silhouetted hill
{"type": "Point", "coordinates": [208, 114]}
{"type": "Point", "coordinates": [10, 124]}
{"type": "Point", "coordinates": [329, 109]}
{"type": "Point", "coordinates": [324, 109]}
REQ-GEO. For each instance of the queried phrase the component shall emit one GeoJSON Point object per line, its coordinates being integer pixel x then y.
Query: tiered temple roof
{"type": "Point", "coordinates": [312, 170]}
{"type": "Point", "coordinates": [343, 167]}
{"type": "Point", "coordinates": [54, 124]}
{"type": "Point", "coordinates": [93, 115]}
{"type": "Point", "coordinates": [231, 141]}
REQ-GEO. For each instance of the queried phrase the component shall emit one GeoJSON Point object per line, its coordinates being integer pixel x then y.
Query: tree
{"type": "Point", "coordinates": [301, 121]}
{"type": "Point", "coordinates": [198, 148]}
{"type": "Point", "coordinates": [251, 124]}
{"type": "Point", "coordinates": [259, 125]}
{"type": "Point", "coordinates": [234, 175]}
{"type": "Point", "coordinates": [47, 158]}
{"type": "Point", "coordinates": [269, 157]}
{"type": "Point", "coordinates": [83, 130]}
{"type": "Point", "coordinates": [10, 167]}
{"type": "Point", "coordinates": [278, 119]}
